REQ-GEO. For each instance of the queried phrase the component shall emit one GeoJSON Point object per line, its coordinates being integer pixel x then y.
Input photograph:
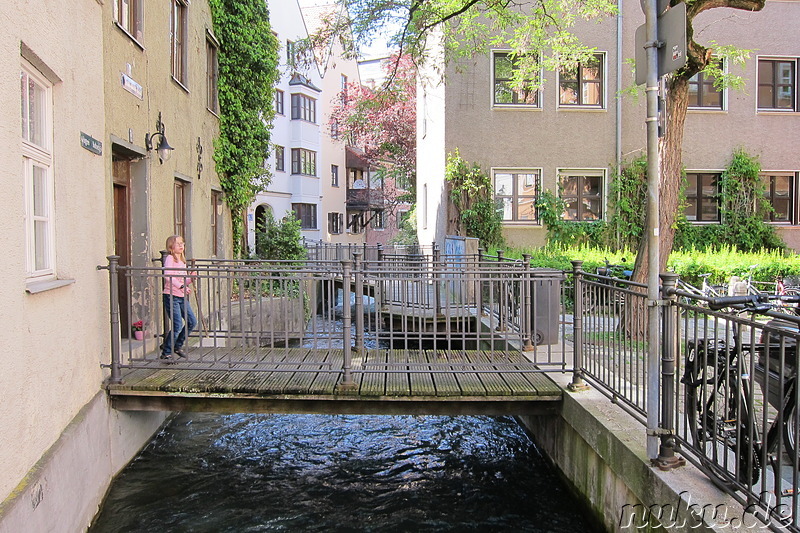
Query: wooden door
{"type": "Point", "coordinates": [122, 237]}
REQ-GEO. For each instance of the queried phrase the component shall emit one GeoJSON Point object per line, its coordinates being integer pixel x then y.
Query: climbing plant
{"type": "Point", "coordinates": [627, 198]}
{"type": "Point", "coordinates": [475, 211]}
{"type": "Point", "coordinates": [248, 71]}
{"type": "Point", "coordinates": [565, 233]}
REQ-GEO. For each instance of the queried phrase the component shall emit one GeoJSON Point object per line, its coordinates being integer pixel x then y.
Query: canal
{"type": "Point", "coordinates": [248, 473]}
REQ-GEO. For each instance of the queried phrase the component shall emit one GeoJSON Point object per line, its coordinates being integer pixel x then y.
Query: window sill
{"type": "Point", "coordinates": [35, 287]}
{"type": "Point", "coordinates": [515, 107]}
{"type": "Point", "coordinates": [180, 84]}
{"type": "Point", "coordinates": [710, 110]}
{"type": "Point", "coordinates": [129, 35]}
{"type": "Point", "coordinates": [591, 109]}
{"type": "Point", "coordinates": [782, 112]}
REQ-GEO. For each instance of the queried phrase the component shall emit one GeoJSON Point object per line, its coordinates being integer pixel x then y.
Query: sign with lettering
{"type": "Point", "coordinates": [91, 144]}
{"type": "Point", "coordinates": [131, 86]}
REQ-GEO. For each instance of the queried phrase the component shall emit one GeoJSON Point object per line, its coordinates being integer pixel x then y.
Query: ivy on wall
{"type": "Point", "coordinates": [476, 213]}
{"type": "Point", "coordinates": [248, 72]}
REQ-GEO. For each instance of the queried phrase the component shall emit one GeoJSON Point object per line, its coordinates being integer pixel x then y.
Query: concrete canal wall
{"type": "Point", "coordinates": [601, 451]}
{"type": "Point", "coordinates": [64, 489]}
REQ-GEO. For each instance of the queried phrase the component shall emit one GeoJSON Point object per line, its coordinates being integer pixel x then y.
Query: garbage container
{"type": "Point", "coordinates": [545, 304]}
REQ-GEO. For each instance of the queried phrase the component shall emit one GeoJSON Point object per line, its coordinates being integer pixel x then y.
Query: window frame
{"type": "Point", "coordinates": [305, 218]}
{"type": "Point", "coordinates": [180, 207]}
{"type": "Point", "coordinates": [334, 175]}
{"type": "Point", "coordinates": [304, 162]}
{"type": "Point", "coordinates": [212, 74]}
{"type": "Point", "coordinates": [704, 86]}
{"type": "Point", "coordinates": [774, 83]}
{"type": "Point", "coordinates": [279, 102]}
{"type": "Point", "coordinates": [580, 196]}
{"type": "Point", "coordinates": [179, 46]}
{"type": "Point", "coordinates": [700, 198]}
{"type": "Point", "coordinates": [378, 220]}
{"type": "Point", "coordinates": [515, 197]}
{"type": "Point", "coordinates": [770, 195]}
{"type": "Point", "coordinates": [280, 158]}
{"type": "Point", "coordinates": [537, 93]}
{"type": "Point", "coordinates": [216, 222]}
{"type": "Point", "coordinates": [581, 82]}
{"type": "Point", "coordinates": [303, 107]}
{"type": "Point", "coordinates": [132, 24]}
{"type": "Point", "coordinates": [39, 208]}
{"type": "Point", "coordinates": [335, 223]}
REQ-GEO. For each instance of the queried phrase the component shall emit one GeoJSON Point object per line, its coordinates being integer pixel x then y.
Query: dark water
{"type": "Point", "coordinates": [244, 473]}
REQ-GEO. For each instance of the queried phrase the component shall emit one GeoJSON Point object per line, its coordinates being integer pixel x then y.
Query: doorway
{"type": "Point", "coordinates": [122, 235]}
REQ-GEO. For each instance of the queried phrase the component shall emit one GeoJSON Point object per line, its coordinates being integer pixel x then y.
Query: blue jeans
{"type": "Point", "coordinates": [175, 309]}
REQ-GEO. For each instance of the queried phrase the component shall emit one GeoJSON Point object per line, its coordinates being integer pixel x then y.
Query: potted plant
{"type": "Point", "coordinates": [138, 330]}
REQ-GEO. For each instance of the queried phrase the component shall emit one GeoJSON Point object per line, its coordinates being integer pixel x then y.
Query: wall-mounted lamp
{"type": "Point", "coordinates": [164, 149]}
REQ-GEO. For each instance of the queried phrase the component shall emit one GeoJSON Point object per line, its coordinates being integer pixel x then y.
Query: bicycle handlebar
{"type": "Point", "coordinates": [752, 302]}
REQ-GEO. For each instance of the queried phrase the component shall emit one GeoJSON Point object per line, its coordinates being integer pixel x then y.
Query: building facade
{"type": "Point", "coordinates": [569, 136]}
{"type": "Point", "coordinates": [93, 92]}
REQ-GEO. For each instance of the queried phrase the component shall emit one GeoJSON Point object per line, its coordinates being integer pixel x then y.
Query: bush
{"type": "Point", "coordinates": [278, 240]}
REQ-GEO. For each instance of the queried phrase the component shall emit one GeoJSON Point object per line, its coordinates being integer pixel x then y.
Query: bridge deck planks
{"type": "Point", "coordinates": [306, 372]}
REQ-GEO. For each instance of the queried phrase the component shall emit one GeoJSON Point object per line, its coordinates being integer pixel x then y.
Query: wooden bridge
{"type": "Point", "coordinates": [295, 338]}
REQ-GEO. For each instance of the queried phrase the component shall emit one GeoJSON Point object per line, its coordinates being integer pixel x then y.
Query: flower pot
{"type": "Point", "coordinates": [138, 335]}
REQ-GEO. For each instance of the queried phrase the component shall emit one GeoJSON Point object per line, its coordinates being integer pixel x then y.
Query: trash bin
{"type": "Point", "coordinates": [545, 304]}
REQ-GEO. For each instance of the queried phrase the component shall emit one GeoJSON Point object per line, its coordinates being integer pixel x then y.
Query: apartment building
{"type": "Point", "coordinates": [569, 136]}
{"type": "Point", "coordinates": [94, 92]}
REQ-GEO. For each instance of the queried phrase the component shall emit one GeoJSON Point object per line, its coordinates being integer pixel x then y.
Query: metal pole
{"type": "Point", "coordinates": [113, 279]}
{"type": "Point", "coordinates": [653, 183]}
{"type": "Point", "coordinates": [527, 309]}
{"type": "Point", "coordinates": [359, 301]}
{"type": "Point", "coordinates": [667, 459]}
{"type": "Point", "coordinates": [437, 297]}
{"type": "Point", "coordinates": [577, 331]}
{"type": "Point", "coordinates": [347, 378]}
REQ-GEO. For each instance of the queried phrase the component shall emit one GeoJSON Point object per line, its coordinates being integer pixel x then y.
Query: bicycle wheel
{"type": "Point", "coordinates": [720, 425]}
{"type": "Point", "coordinates": [789, 431]}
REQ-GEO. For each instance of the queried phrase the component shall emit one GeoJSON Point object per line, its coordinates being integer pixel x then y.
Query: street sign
{"type": "Point", "coordinates": [671, 29]}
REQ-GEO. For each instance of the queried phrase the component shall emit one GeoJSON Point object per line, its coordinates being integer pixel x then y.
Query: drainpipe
{"type": "Point", "coordinates": [618, 114]}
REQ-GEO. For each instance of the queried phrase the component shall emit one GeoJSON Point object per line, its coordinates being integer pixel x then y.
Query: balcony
{"type": "Point", "coordinates": [364, 199]}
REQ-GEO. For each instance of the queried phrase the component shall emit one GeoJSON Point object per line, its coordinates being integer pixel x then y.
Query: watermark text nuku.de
{"type": "Point", "coordinates": [685, 514]}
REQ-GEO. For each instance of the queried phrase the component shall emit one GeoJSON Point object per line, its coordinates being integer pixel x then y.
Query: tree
{"type": "Point", "coordinates": [539, 33]}
{"type": "Point", "coordinates": [383, 123]}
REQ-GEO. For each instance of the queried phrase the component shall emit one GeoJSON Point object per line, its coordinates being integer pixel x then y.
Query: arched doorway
{"type": "Point", "coordinates": [263, 212]}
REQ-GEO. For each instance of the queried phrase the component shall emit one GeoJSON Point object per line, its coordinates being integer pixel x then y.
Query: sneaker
{"type": "Point", "coordinates": [180, 352]}
{"type": "Point", "coordinates": [167, 358]}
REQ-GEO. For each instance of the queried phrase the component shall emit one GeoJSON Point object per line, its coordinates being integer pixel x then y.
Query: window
{"type": "Point", "coordinates": [212, 76]}
{"type": "Point", "coordinates": [216, 225]}
{"type": "Point", "coordinates": [344, 89]}
{"type": "Point", "coordinates": [702, 196]}
{"type": "Point", "coordinates": [280, 158]}
{"type": "Point", "coordinates": [128, 15]}
{"type": "Point", "coordinates": [304, 108]}
{"type": "Point", "coordinates": [504, 91]}
{"type": "Point", "coordinates": [335, 223]}
{"type": "Point", "coordinates": [356, 223]}
{"type": "Point", "coordinates": [582, 85]}
{"type": "Point", "coordinates": [776, 84]}
{"type": "Point", "coordinates": [179, 45]}
{"type": "Point", "coordinates": [402, 216]}
{"type": "Point", "coordinates": [304, 162]}
{"type": "Point", "coordinates": [37, 160]}
{"type": "Point", "coordinates": [702, 93]}
{"type": "Point", "coordinates": [583, 194]}
{"type": "Point", "coordinates": [334, 175]}
{"type": "Point", "coordinates": [378, 221]}
{"type": "Point", "coordinates": [515, 192]}
{"type": "Point", "coordinates": [180, 208]}
{"type": "Point", "coordinates": [279, 101]}
{"type": "Point", "coordinates": [291, 53]}
{"type": "Point", "coordinates": [334, 129]}
{"type": "Point", "coordinates": [306, 214]}
{"type": "Point", "coordinates": [779, 192]}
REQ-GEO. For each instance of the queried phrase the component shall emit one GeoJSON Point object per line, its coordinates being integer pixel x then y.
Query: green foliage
{"type": "Point", "coordinates": [564, 233]}
{"type": "Point", "coordinates": [473, 198]}
{"type": "Point", "coordinates": [279, 240]}
{"type": "Point", "coordinates": [248, 71]}
{"type": "Point", "coordinates": [628, 196]}
{"type": "Point", "coordinates": [742, 207]}
{"type": "Point", "coordinates": [408, 229]}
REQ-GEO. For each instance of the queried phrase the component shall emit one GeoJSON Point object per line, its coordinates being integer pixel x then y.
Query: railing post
{"type": "Point", "coordinates": [359, 300]}
{"type": "Point", "coordinates": [527, 312]}
{"type": "Point", "coordinates": [578, 384]}
{"type": "Point", "coordinates": [479, 284]}
{"type": "Point", "coordinates": [437, 297]}
{"type": "Point", "coordinates": [667, 459]}
{"type": "Point", "coordinates": [113, 279]}
{"type": "Point", "coordinates": [347, 378]}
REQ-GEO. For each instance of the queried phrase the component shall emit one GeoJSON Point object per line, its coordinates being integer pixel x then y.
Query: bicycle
{"type": "Point", "coordinates": [720, 399]}
{"type": "Point", "coordinates": [706, 291]}
{"type": "Point", "coordinates": [604, 289]}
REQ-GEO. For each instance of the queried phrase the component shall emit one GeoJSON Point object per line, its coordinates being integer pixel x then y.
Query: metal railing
{"type": "Point", "coordinates": [728, 385]}
{"type": "Point", "coordinates": [246, 309]}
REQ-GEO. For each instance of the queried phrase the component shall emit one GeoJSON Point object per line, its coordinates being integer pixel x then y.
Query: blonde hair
{"type": "Point", "coordinates": [171, 240]}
